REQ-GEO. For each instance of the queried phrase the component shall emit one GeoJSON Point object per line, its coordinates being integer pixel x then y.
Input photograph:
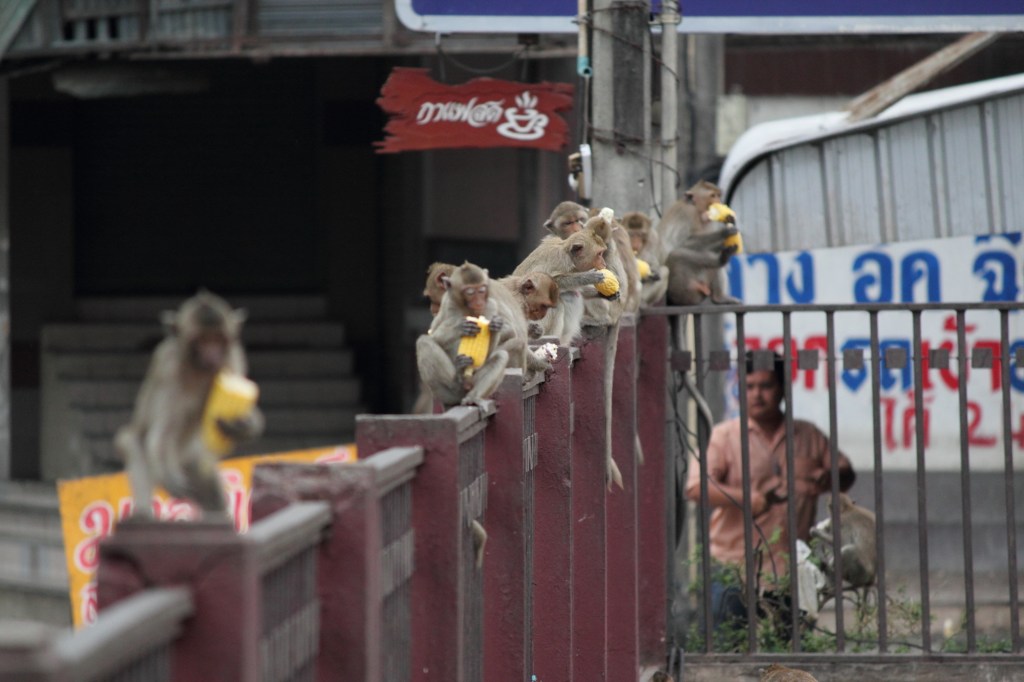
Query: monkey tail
{"type": "Point", "coordinates": [703, 409]}
{"type": "Point", "coordinates": [610, 350]}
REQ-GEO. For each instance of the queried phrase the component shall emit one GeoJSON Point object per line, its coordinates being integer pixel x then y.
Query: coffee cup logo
{"type": "Point", "coordinates": [523, 121]}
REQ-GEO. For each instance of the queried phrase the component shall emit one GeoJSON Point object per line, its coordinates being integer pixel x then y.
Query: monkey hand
{"type": "Point", "coordinates": [469, 328]}
{"type": "Point", "coordinates": [246, 427]}
{"type": "Point", "coordinates": [610, 297]}
{"type": "Point", "coordinates": [497, 324]}
{"type": "Point", "coordinates": [462, 362]}
{"type": "Point", "coordinates": [535, 330]}
{"type": "Point", "coordinates": [653, 277]}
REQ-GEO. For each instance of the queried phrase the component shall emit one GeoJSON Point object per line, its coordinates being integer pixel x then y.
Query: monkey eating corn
{"type": "Point", "coordinates": [231, 396]}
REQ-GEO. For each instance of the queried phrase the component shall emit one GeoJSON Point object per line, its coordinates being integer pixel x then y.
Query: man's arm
{"type": "Point", "coordinates": [720, 494]}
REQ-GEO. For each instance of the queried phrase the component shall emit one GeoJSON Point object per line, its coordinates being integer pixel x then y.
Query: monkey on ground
{"type": "Point", "coordinates": [442, 367]}
{"type": "Point", "coordinates": [646, 245]}
{"type": "Point", "coordinates": [780, 673]}
{"type": "Point", "coordinates": [162, 445]}
{"type": "Point", "coordinates": [574, 264]}
{"type": "Point", "coordinates": [858, 552]}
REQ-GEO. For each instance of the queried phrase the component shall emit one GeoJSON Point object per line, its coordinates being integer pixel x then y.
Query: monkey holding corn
{"type": "Point", "coordinates": [461, 359]}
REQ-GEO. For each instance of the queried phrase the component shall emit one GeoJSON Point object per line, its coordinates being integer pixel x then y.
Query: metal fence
{"type": "Point", "coordinates": [886, 353]}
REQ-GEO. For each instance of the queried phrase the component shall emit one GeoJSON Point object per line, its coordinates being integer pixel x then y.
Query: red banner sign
{"type": "Point", "coordinates": [484, 112]}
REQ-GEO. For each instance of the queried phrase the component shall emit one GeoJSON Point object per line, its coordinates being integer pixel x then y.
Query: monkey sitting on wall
{"type": "Point", "coordinates": [858, 552]}
{"type": "Point", "coordinates": [646, 246]}
{"type": "Point", "coordinates": [163, 443]}
{"type": "Point", "coordinates": [454, 377]}
{"type": "Point", "coordinates": [698, 248]}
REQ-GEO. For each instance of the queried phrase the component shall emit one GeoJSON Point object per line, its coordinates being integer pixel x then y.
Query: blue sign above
{"type": "Point", "coordinates": [727, 16]}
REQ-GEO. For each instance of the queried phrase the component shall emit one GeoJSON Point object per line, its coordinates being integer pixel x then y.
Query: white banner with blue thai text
{"type": "Point", "coordinates": [951, 270]}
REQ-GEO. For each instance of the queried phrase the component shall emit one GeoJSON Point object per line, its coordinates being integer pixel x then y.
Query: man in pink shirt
{"type": "Point", "coordinates": [766, 424]}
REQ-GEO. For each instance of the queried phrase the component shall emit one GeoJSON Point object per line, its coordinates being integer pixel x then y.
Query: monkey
{"type": "Point", "coordinates": [643, 238]}
{"type": "Point", "coordinates": [573, 263]}
{"type": "Point", "coordinates": [536, 293]}
{"type": "Point", "coordinates": [780, 673]}
{"type": "Point", "coordinates": [441, 366]}
{"type": "Point", "coordinates": [697, 248]}
{"type": "Point", "coordinates": [434, 288]}
{"type": "Point", "coordinates": [566, 219]}
{"type": "Point", "coordinates": [433, 291]}
{"type": "Point", "coordinates": [162, 445]}
{"type": "Point", "coordinates": [646, 245]}
{"type": "Point", "coordinates": [513, 297]}
{"type": "Point", "coordinates": [687, 215]}
{"type": "Point", "coordinates": [858, 552]}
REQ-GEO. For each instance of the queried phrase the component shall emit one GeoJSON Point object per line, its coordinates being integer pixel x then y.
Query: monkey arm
{"type": "Point", "coordinates": [570, 281]}
{"type": "Point", "coordinates": [246, 427]}
{"type": "Point", "coordinates": [710, 239]}
{"type": "Point", "coordinates": [694, 259]}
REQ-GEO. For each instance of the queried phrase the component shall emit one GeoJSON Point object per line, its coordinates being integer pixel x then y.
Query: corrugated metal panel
{"type": "Point", "coordinates": [955, 171]}
{"type": "Point", "coordinates": [282, 18]}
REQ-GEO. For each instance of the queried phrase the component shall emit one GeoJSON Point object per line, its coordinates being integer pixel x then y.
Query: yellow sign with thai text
{"type": "Point", "coordinates": [90, 508]}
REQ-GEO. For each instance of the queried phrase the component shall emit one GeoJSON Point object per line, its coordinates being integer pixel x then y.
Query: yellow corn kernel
{"type": "Point", "coordinates": [476, 346]}
{"type": "Point", "coordinates": [736, 239]}
{"type": "Point", "coordinates": [231, 396]}
{"type": "Point", "coordinates": [610, 285]}
{"type": "Point", "coordinates": [643, 267]}
{"type": "Point", "coordinates": [721, 213]}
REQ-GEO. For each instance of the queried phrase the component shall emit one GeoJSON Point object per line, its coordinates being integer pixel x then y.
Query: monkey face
{"type": "Point", "coordinates": [637, 241]}
{"type": "Point", "coordinates": [536, 310]}
{"type": "Point", "coordinates": [474, 298]}
{"type": "Point", "coordinates": [208, 351]}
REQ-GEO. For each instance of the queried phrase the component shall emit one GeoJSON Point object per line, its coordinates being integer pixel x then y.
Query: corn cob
{"type": "Point", "coordinates": [723, 214]}
{"type": "Point", "coordinates": [644, 268]}
{"type": "Point", "coordinates": [231, 396]}
{"type": "Point", "coordinates": [610, 285]}
{"type": "Point", "coordinates": [477, 346]}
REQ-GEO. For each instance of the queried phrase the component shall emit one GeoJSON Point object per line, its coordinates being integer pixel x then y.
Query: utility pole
{"type": "Point", "coordinates": [620, 108]}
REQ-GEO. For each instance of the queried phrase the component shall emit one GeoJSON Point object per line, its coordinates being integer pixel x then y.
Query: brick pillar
{"type": "Point", "coordinates": [348, 561]}
{"type": "Point", "coordinates": [553, 529]}
{"type": "Point", "coordinates": [655, 485]}
{"type": "Point", "coordinates": [590, 645]}
{"type": "Point", "coordinates": [221, 643]}
{"type": "Point", "coordinates": [623, 658]}
{"type": "Point", "coordinates": [505, 572]}
{"type": "Point", "coordinates": [446, 590]}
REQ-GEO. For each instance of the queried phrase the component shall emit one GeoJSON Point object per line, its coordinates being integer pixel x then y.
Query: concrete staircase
{"type": "Point", "coordinates": [91, 371]}
{"type": "Point", "coordinates": [33, 571]}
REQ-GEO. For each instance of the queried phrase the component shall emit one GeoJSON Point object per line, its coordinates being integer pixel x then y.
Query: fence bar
{"type": "Point", "coordinates": [748, 517]}
{"type": "Point", "coordinates": [221, 643]}
{"type": "Point", "coordinates": [1011, 521]}
{"type": "Point", "coordinates": [506, 578]}
{"type": "Point", "coordinates": [703, 435]}
{"type": "Point", "coordinates": [655, 486]}
{"type": "Point", "coordinates": [922, 488]}
{"type": "Point", "coordinates": [965, 482]}
{"type": "Point", "coordinates": [623, 638]}
{"type": "Point", "coordinates": [590, 660]}
{"type": "Point", "coordinates": [833, 444]}
{"type": "Point", "coordinates": [441, 616]}
{"type": "Point", "coordinates": [350, 625]}
{"type": "Point", "coordinates": [787, 386]}
{"type": "Point", "coordinates": [553, 635]}
{"type": "Point", "coordinates": [876, 421]}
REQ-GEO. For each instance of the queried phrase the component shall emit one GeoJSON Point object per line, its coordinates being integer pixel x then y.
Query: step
{"type": "Point", "coordinates": [149, 308]}
{"type": "Point", "coordinates": [279, 420]}
{"type": "Point", "coordinates": [135, 336]}
{"type": "Point", "coordinates": [101, 449]}
{"type": "Point", "coordinates": [262, 364]}
{"type": "Point", "coordinates": [32, 506]}
{"type": "Point", "coordinates": [311, 392]}
{"type": "Point", "coordinates": [35, 601]}
{"type": "Point", "coordinates": [32, 555]}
